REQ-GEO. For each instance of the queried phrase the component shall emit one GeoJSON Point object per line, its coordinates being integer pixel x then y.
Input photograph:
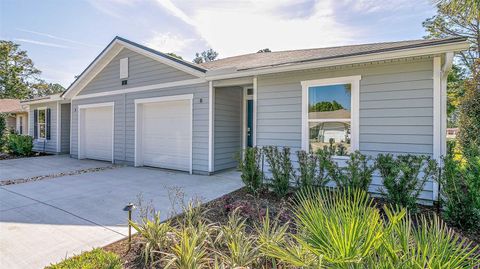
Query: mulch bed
{"type": "Point", "coordinates": [251, 208]}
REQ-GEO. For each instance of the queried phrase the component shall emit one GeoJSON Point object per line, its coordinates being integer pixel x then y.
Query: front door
{"type": "Point", "coordinates": [249, 123]}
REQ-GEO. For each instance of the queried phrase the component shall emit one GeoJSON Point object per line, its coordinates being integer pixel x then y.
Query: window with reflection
{"type": "Point", "coordinates": [329, 118]}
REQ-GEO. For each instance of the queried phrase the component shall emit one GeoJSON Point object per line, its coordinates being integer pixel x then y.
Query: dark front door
{"type": "Point", "coordinates": [249, 123]}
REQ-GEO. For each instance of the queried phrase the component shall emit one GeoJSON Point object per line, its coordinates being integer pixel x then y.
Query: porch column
{"type": "Point", "coordinates": [211, 115]}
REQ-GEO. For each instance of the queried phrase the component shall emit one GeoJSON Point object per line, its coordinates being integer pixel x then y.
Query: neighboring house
{"type": "Point", "coordinates": [17, 115]}
{"type": "Point", "coordinates": [141, 107]}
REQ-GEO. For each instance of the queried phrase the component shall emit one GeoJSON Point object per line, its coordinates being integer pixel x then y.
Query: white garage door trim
{"type": "Point", "coordinates": [138, 137]}
{"type": "Point", "coordinates": [80, 126]}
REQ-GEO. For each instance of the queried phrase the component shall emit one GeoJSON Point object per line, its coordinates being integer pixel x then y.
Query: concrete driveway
{"type": "Point", "coordinates": [45, 221]}
{"type": "Point", "coordinates": [44, 166]}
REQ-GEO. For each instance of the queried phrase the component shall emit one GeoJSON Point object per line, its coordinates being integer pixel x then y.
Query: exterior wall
{"type": "Point", "coordinates": [11, 122]}
{"type": "Point", "coordinates": [65, 128]}
{"type": "Point", "coordinates": [124, 122]}
{"type": "Point", "coordinates": [396, 108]}
{"type": "Point", "coordinates": [142, 71]}
{"type": "Point", "coordinates": [24, 116]}
{"type": "Point", "coordinates": [44, 145]}
{"type": "Point", "coordinates": [228, 126]}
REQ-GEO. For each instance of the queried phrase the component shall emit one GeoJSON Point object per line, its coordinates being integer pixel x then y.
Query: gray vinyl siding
{"type": "Point", "coordinates": [142, 71]}
{"type": "Point", "coordinates": [228, 126]}
{"type": "Point", "coordinates": [50, 145]}
{"type": "Point", "coordinates": [65, 128]}
{"type": "Point", "coordinates": [124, 122]}
{"type": "Point", "coordinates": [396, 108]}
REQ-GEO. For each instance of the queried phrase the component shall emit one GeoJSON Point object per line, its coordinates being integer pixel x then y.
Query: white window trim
{"type": "Point", "coordinates": [79, 123]}
{"type": "Point", "coordinates": [38, 124]}
{"type": "Point", "coordinates": [354, 81]}
{"type": "Point", "coordinates": [246, 97]}
{"type": "Point", "coordinates": [189, 97]}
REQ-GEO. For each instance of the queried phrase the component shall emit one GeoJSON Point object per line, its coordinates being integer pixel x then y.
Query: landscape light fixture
{"type": "Point", "coordinates": [129, 208]}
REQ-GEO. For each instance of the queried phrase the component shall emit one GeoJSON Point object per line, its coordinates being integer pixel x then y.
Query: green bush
{"type": "Point", "coordinates": [250, 166]}
{"type": "Point", "coordinates": [357, 174]}
{"type": "Point", "coordinates": [404, 177]}
{"type": "Point", "coordinates": [281, 168]}
{"type": "Point", "coordinates": [469, 122]}
{"type": "Point", "coordinates": [307, 169]}
{"type": "Point", "coordinates": [460, 189]}
{"type": "Point", "coordinates": [95, 259]}
{"type": "Point", "coordinates": [21, 145]}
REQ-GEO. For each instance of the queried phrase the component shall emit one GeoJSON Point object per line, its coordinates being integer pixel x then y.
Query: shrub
{"type": "Point", "coordinates": [324, 162]}
{"type": "Point", "coordinates": [460, 189]}
{"type": "Point", "coordinates": [402, 182]}
{"type": "Point", "coordinates": [3, 128]}
{"type": "Point", "coordinates": [250, 166]}
{"type": "Point", "coordinates": [357, 174]}
{"type": "Point", "coordinates": [189, 250]}
{"type": "Point", "coordinates": [21, 145]}
{"type": "Point", "coordinates": [154, 236]}
{"type": "Point", "coordinates": [95, 259]}
{"type": "Point", "coordinates": [307, 169]}
{"type": "Point", "coordinates": [281, 169]}
{"type": "Point", "coordinates": [469, 122]}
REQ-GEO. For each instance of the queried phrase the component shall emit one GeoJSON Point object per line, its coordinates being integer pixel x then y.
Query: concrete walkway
{"type": "Point", "coordinates": [44, 166]}
{"type": "Point", "coordinates": [43, 222]}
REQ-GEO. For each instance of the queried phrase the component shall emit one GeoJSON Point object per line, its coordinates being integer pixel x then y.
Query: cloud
{"type": "Point", "coordinates": [112, 7]}
{"type": "Point", "coordinates": [244, 27]}
{"type": "Point", "coordinates": [41, 43]}
{"type": "Point", "coordinates": [168, 42]}
{"type": "Point", "coordinates": [58, 38]}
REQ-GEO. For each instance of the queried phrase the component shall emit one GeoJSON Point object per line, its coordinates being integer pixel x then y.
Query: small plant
{"type": "Point", "coordinates": [95, 259]}
{"type": "Point", "coordinates": [250, 166]}
{"type": "Point", "coordinates": [241, 248]}
{"type": "Point", "coordinates": [404, 177]}
{"type": "Point", "coordinates": [307, 171]}
{"type": "Point", "coordinates": [324, 162]}
{"type": "Point", "coordinates": [189, 250]}
{"type": "Point", "coordinates": [460, 188]}
{"type": "Point", "coordinates": [281, 169]}
{"type": "Point", "coordinates": [154, 234]}
{"type": "Point", "coordinates": [357, 174]}
{"type": "Point", "coordinates": [21, 145]}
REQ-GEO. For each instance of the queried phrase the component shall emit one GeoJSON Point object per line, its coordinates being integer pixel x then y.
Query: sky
{"type": "Point", "coordinates": [63, 36]}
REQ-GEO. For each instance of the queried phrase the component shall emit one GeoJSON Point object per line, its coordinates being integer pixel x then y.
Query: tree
{"type": "Point", "coordinates": [451, 22]}
{"type": "Point", "coordinates": [455, 91]}
{"type": "Point", "coordinates": [462, 6]}
{"type": "Point", "coordinates": [470, 113]}
{"type": "Point", "coordinates": [264, 50]}
{"type": "Point", "coordinates": [326, 106]}
{"type": "Point", "coordinates": [174, 55]}
{"type": "Point", "coordinates": [44, 89]}
{"type": "Point", "coordinates": [17, 72]}
{"type": "Point", "coordinates": [206, 56]}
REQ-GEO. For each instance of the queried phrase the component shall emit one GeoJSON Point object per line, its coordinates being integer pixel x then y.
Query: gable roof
{"type": "Point", "coordinates": [270, 59]}
{"type": "Point", "coordinates": [10, 106]}
{"type": "Point", "coordinates": [117, 44]}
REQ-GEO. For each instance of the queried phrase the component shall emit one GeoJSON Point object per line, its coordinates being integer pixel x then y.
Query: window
{"type": "Point", "coordinates": [42, 123]}
{"type": "Point", "coordinates": [330, 109]}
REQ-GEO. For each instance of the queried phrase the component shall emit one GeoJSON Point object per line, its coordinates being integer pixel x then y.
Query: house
{"type": "Point", "coordinates": [137, 106]}
{"type": "Point", "coordinates": [17, 115]}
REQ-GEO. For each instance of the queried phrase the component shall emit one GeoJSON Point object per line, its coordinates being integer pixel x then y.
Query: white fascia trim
{"type": "Point", "coordinates": [422, 51]}
{"type": "Point", "coordinates": [95, 68]}
{"type": "Point", "coordinates": [211, 114]}
{"type": "Point", "coordinates": [355, 105]}
{"type": "Point", "coordinates": [164, 98]}
{"type": "Point", "coordinates": [43, 101]}
{"type": "Point", "coordinates": [79, 125]}
{"type": "Point", "coordinates": [143, 88]}
{"type": "Point", "coordinates": [163, 60]}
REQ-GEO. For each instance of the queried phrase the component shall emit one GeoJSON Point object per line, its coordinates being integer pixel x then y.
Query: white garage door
{"type": "Point", "coordinates": [97, 133]}
{"type": "Point", "coordinates": [166, 134]}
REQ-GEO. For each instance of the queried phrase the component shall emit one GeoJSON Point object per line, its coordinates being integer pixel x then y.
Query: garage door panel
{"type": "Point", "coordinates": [166, 134]}
{"type": "Point", "coordinates": [97, 133]}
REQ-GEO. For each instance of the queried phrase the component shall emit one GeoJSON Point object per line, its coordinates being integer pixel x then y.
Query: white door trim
{"type": "Point", "coordinates": [355, 106]}
{"type": "Point", "coordinates": [189, 97]}
{"type": "Point", "coordinates": [211, 115]}
{"type": "Point", "coordinates": [79, 121]}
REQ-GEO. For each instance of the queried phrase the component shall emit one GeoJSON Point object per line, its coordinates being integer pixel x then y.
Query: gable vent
{"type": "Point", "coordinates": [124, 68]}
